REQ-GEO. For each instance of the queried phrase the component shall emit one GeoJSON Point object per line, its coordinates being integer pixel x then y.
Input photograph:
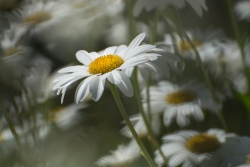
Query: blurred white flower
{"type": "Point", "coordinates": [149, 5]}
{"type": "Point", "coordinates": [189, 148]}
{"type": "Point", "coordinates": [109, 64]}
{"type": "Point", "coordinates": [123, 155]}
{"type": "Point", "coordinates": [65, 117]}
{"type": "Point", "coordinates": [242, 9]}
{"type": "Point", "coordinates": [180, 102]}
{"type": "Point", "coordinates": [203, 41]}
{"type": "Point", "coordinates": [41, 15]}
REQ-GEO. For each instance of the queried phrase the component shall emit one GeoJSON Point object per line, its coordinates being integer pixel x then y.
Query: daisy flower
{"type": "Point", "coordinates": [108, 64]}
{"type": "Point", "coordinates": [123, 155]}
{"type": "Point", "coordinates": [149, 5]}
{"type": "Point", "coordinates": [190, 148]}
{"type": "Point", "coordinates": [242, 8]}
{"type": "Point", "coordinates": [43, 14]}
{"type": "Point", "coordinates": [65, 117]}
{"type": "Point", "coordinates": [204, 41]}
{"type": "Point", "coordinates": [180, 102]}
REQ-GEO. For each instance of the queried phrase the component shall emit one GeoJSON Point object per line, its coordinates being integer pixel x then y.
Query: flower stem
{"type": "Point", "coordinates": [132, 25]}
{"type": "Point", "coordinates": [131, 127]}
{"type": "Point", "coordinates": [237, 36]}
{"type": "Point", "coordinates": [154, 28]}
{"type": "Point", "coordinates": [13, 131]}
{"type": "Point", "coordinates": [144, 116]}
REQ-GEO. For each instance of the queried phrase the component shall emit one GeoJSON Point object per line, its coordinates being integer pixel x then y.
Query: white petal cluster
{"type": "Point", "coordinates": [242, 8]}
{"type": "Point", "coordinates": [123, 155]}
{"type": "Point", "coordinates": [132, 55]}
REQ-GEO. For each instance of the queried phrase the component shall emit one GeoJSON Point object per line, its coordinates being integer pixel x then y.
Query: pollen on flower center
{"type": "Point", "coordinates": [38, 17]}
{"type": "Point", "coordinates": [185, 45]}
{"type": "Point", "coordinates": [181, 96]}
{"type": "Point", "coordinates": [203, 143]}
{"type": "Point", "coordinates": [105, 64]}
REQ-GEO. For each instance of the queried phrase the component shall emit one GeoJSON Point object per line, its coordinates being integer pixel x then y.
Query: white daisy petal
{"type": "Point", "coordinates": [84, 57]}
{"type": "Point", "coordinates": [125, 86]}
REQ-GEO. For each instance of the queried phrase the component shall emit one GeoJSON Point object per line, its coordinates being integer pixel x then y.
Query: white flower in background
{"type": "Point", "coordinates": [140, 126]}
{"type": "Point", "coordinates": [65, 117]}
{"type": "Point", "coordinates": [242, 9]}
{"type": "Point", "coordinates": [190, 148]}
{"type": "Point", "coordinates": [228, 63]}
{"type": "Point", "coordinates": [180, 102]}
{"type": "Point", "coordinates": [40, 15]}
{"type": "Point", "coordinates": [239, 147]}
{"type": "Point", "coordinates": [123, 155]}
{"type": "Point", "coordinates": [204, 41]}
{"type": "Point", "coordinates": [149, 5]}
{"type": "Point", "coordinates": [108, 64]}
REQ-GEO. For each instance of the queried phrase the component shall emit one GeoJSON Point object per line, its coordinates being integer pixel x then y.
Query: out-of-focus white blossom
{"type": "Point", "coordinates": [242, 9]}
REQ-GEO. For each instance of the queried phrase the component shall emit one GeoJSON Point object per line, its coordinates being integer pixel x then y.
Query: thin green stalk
{"type": "Point", "coordinates": [13, 131]}
{"type": "Point", "coordinates": [32, 112]}
{"type": "Point", "coordinates": [223, 121]}
{"type": "Point", "coordinates": [144, 116]}
{"type": "Point", "coordinates": [131, 127]}
{"type": "Point", "coordinates": [132, 25]}
{"type": "Point", "coordinates": [154, 29]}
{"type": "Point", "coordinates": [204, 71]}
{"type": "Point", "coordinates": [237, 36]}
{"type": "Point", "coordinates": [148, 98]}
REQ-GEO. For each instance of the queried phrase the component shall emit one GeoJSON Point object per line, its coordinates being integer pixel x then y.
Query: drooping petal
{"type": "Point", "coordinates": [125, 85]}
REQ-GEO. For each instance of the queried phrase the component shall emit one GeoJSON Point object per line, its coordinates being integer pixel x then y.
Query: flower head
{"type": "Point", "coordinates": [109, 64]}
{"type": "Point", "coordinates": [180, 102]}
{"type": "Point", "coordinates": [123, 155]}
{"type": "Point", "coordinates": [191, 148]}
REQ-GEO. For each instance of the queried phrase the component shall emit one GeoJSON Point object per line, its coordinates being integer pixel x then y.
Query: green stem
{"type": "Point", "coordinates": [32, 112]}
{"type": "Point", "coordinates": [129, 124]}
{"type": "Point", "coordinates": [132, 25]}
{"type": "Point", "coordinates": [154, 29]}
{"type": "Point", "coordinates": [13, 131]}
{"type": "Point", "coordinates": [144, 116]}
{"type": "Point", "coordinates": [223, 121]}
{"type": "Point", "coordinates": [148, 97]}
{"type": "Point", "coordinates": [237, 36]}
{"type": "Point", "coordinates": [204, 71]}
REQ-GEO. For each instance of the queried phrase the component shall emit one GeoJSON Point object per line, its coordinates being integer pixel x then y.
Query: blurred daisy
{"type": "Point", "coordinates": [203, 41]}
{"type": "Point", "coordinates": [149, 5]}
{"type": "Point", "coordinates": [189, 148]}
{"type": "Point", "coordinates": [242, 9]}
{"type": "Point", "coordinates": [123, 155]}
{"type": "Point", "coordinates": [239, 147]}
{"type": "Point", "coordinates": [140, 126]}
{"type": "Point", "coordinates": [40, 15]}
{"type": "Point", "coordinates": [65, 117]}
{"type": "Point", "coordinates": [108, 64]}
{"type": "Point", "coordinates": [180, 102]}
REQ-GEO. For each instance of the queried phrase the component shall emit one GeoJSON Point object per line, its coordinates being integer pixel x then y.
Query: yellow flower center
{"type": "Point", "coordinates": [203, 143]}
{"type": "Point", "coordinates": [185, 45]}
{"type": "Point", "coordinates": [182, 96]}
{"type": "Point", "coordinates": [11, 51]}
{"type": "Point", "coordinates": [38, 17]}
{"type": "Point", "coordinates": [105, 64]}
